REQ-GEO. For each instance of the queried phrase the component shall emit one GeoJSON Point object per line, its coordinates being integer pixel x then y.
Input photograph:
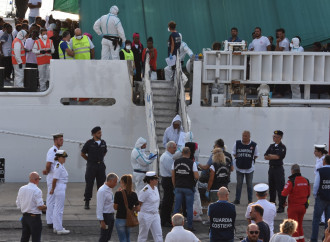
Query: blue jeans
{"type": "Point", "coordinates": [319, 207]}
{"type": "Point", "coordinates": [122, 230]}
{"type": "Point", "coordinates": [105, 234]}
{"type": "Point", "coordinates": [188, 193]}
{"type": "Point", "coordinates": [32, 20]}
{"type": "Point", "coordinates": [248, 180]}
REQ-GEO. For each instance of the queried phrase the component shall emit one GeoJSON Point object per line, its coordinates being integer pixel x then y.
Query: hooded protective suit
{"type": "Point", "coordinates": [110, 26]}
{"type": "Point", "coordinates": [19, 72]}
{"type": "Point", "coordinates": [295, 88]}
{"type": "Point", "coordinates": [172, 134]}
{"type": "Point", "coordinates": [140, 163]}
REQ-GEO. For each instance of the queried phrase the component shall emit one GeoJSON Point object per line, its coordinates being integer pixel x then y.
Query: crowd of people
{"type": "Point", "coordinates": [185, 182]}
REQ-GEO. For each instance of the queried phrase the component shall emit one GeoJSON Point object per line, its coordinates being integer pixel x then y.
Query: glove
{"type": "Point", "coordinates": [42, 52]}
{"type": "Point", "coordinates": [49, 51]}
{"type": "Point", "coordinates": [151, 155]}
{"type": "Point", "coordinates": [171, 57]}
{"type": "Point", "coordinates": [20, 66]}
{"type": "Point", "coordinates": [197, 163]}
{"type": "Point", "coordinates": [207, 195]}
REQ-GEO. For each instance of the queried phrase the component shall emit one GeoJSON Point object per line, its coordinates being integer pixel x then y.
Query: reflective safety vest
{"type": "Point", "coordinates": [61, 54]}
{"type": "Point", "coordinates": [81, 48]}
{"type": "Point", "coordinates": [23, 57]}
{"type": "Point", "coordinates": [43, 59]}
{"type": "Point", "coordinates": [128, 55]}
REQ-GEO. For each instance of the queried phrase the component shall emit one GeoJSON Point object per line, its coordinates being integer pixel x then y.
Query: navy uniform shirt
{"type": "Point", "coordinates": [279, 150]}
{"type": "Point", "coordinates": [94, 151]}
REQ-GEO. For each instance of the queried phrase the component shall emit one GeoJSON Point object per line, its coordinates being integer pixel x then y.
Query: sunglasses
{"type": "Point", "coordinates": [254, 232]}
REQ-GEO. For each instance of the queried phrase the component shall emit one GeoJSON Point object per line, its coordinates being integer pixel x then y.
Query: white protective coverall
{"type": "Point", "coordinates": [172, 134]}
{"type": "Point", "coordinates": [140, 164]}
{"type": "Point", "coordinates": [44, 70]}
{"type": "Point", "coordinates": [295, 88]}
{"type": "Point", "coordinates": [19, 73]}
{"type": "Point", "coordinates": [110, 25]}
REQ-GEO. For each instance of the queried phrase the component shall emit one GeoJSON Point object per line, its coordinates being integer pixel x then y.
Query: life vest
{"type": "Point", "coordinates": [128, 55]}
{"type": "Point", "coordinates": [23, 57]}
{"type": "Point", "coordinates": [43, 59]}
{"type": "Point", "coordinates": [61, 54]}
{"type": "Point", "coordinates": [81, 48]}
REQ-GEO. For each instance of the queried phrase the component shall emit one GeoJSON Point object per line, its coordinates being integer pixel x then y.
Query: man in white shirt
{"type": "Point", "coordinates": [269, 208]}
{"type": "Point", "coordinates": [29, 200]}
{"type": "Point", "coordinates": [178, 233]}
{"type": "Point", "coordinates": [282, 43]}
{"type": "Point", "coordinates": [34, 6]}
{"type": "Point", "coordinates": [104, 207]}
{"type": "Point", "coordinates": [260, 43]}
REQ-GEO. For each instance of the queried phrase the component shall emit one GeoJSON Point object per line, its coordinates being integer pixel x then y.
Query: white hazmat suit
{"type": "Point", "coordinates": [19, 72]}
{"type": "Point", "coordinates": [110, 26]}
{"type": "Point", "coordinates": [295, 88]}
{"type": "Point", "coordinates": [172, 134]}
{"type": "Point", "coordinates": [140, 163]}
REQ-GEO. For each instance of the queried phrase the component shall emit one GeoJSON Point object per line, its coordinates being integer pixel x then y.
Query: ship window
{"type": "Point", "coordinates": [88, 101]}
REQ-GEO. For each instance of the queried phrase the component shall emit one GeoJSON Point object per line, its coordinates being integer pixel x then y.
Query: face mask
{"type": "Point", "coordinates": [79, 37]}
{"type": "Point", "coordinates": [128, 47]}
{"type": "Point", "coordinates": [44, 36]}
{"type": "Point", "coordinates": [168, 29]}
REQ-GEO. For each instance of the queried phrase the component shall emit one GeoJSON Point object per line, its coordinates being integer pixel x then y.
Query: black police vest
{"type": "Point", "coordinates": [245, 154]}
{"type": "Point", "coordinates": [222, 221]}
{"type": "Point", "coordinates": [324, 188]}
{"type": "Point", "coordinates": [184, 175]}
{"type": "Point", "coordinates": [222, 175]}
{"type": "Point", "coordinates": [177, 43]}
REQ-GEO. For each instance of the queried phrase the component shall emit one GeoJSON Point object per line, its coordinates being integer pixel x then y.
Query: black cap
{"type": "Point", "coordinates": [278, 132]}
{"type": "Point", "coordinates": [96, 129]}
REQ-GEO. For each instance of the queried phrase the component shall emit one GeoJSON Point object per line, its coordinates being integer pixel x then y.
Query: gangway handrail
{"type": "Point", "coordinates": [149, 107]}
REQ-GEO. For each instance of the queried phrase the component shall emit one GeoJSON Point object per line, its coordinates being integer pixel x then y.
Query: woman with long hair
{"type": "Point", "coordinates": [287, 229]}
{"type": "Point", "coordinates": [126, 186]}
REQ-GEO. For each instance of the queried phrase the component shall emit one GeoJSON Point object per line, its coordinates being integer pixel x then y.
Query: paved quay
{"type": "Point", "coordinates": [85, 227]}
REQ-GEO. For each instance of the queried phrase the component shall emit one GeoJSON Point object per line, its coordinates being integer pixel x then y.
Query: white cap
{"type": "Point", "coordinates": [151, 173]}
{"type": "Point", "coordinates": [261, 187]}
{"type": "Point", "coordinates": [57, 135]}
{"type": "Point", "coordinates": [320, 146]}
{"type": "Point", "coordinates": [61, 153]}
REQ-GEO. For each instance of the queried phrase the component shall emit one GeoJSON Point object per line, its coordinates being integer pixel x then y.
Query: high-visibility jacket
{"type": "Point", "coordinates": [43, 59]}
{"type": "Point", "coordinates": [81, 48]}
{"type": "Point", "coordinates": [61, 54]}
{"type": "Point", "coordinates": [128, 55]}
{"type": "Point", "coordinates": [23, 57]}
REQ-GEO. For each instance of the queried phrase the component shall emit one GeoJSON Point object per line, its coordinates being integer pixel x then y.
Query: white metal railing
{"type": "Point", "coordinates": [149, 106]}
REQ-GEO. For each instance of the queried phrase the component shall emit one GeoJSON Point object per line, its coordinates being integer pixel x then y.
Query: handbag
{"type": "Point", "coordinates": [131, 219]}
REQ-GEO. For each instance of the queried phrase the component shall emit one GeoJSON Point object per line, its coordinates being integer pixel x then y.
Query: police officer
{"type": "Point", "coordinates": [49, 171]}
{"type": "Point", "coordinates": [60, 179]}
{"type": "Point", "coordinates": [321, 192]}
{"type": "Point", "coordinates": [140, 163]}
{"type": "Point", "coordinates": [298, 190]}
{"type": "Point", "coordinates": [269, 208]}
{"type": "Point", "coordinates": [245, 152]}
{"type": "Point", "coordinates": [222, 216]}
{"type": "Point", "coordinates": [93, 152]}
{"type": "Point", "coordinates": [29, 200]}
{"type": "Point", "coordinates": [149, 216]}
{"type": "Point", "coordinates": [275, 154]}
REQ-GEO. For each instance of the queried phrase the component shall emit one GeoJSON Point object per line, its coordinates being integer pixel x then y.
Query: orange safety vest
{"type": "Point", "coordinates": [23, 57]}
{"type": "Point", "coordinates": [43, 59]}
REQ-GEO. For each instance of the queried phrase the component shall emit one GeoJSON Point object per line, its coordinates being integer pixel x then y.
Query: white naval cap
{"type": "Point", "coordinates": [151, 173]}
{"type": "Point", "coordinates": [56, 135]}
{"type": "Point", "coordinates": [61, 153]}
{"type": "Point", "coordinates": [261, 187]}
{"type": "Point", "coordinates": [320, 146]}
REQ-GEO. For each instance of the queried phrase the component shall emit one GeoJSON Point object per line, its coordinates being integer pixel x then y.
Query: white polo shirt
{"type": "Point", "coordinates": [29, 198]}
{"type": "Point", "coordinates": [260, 44]}
{"type": "Point", "coordinates": [179, 234]}
{"type": "Point", "coordinates": [34, 12]}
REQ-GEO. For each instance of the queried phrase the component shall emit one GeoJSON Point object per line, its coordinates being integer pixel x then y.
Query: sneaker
{"type": "Point", "coordinates": [280, 210]}
{"type": "Point", "coordinates": [87, 205]}
{"type": "Point", "coordinates": [63, 231]}
{"type": "Point", "coordinates": [236, 202]}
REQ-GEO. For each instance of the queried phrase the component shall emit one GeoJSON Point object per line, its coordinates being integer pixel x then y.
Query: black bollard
{"type": "Point", "coordinates": [31, 79]}
{"type": "Point", "coordinates": [2, 77]}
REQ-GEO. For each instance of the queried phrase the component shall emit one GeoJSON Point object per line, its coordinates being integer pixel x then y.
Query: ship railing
{"type": "Point", "coordinates": [269, 67]}
{"type": "Point", "coordinates": [181, 96]}
{"type": "Point", "coordinates": [149, 107]}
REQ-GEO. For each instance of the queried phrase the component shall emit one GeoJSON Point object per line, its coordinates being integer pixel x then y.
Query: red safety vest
{"type": "Point", "coordinates": [43, 59]}
{"type": "Point", "coordinates": [23, 57]}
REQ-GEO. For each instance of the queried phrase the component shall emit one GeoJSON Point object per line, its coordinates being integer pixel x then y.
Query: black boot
{"type": "Point", "coordinates": [87, 205]}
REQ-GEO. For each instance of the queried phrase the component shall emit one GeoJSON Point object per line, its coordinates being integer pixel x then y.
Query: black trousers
{"type": "Point", "coordinates": [94, 171]}
{"type": "Point", "coordinates": [276, 183]}
{"type": "Point", "coordinates": [21, 8]}
{"type": "Point", "coordinates": [106, 233]}
{"type": "Point", "coordinates": [138, 67]}
{"type": "Point", "coordinates": [168, 200]}
{"type": "Point", "coordinates": [7, 64]}
{"type": "Point", "coordinates": [31, 65]}
{"type": "Point", "coordinates": [32, 226]}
